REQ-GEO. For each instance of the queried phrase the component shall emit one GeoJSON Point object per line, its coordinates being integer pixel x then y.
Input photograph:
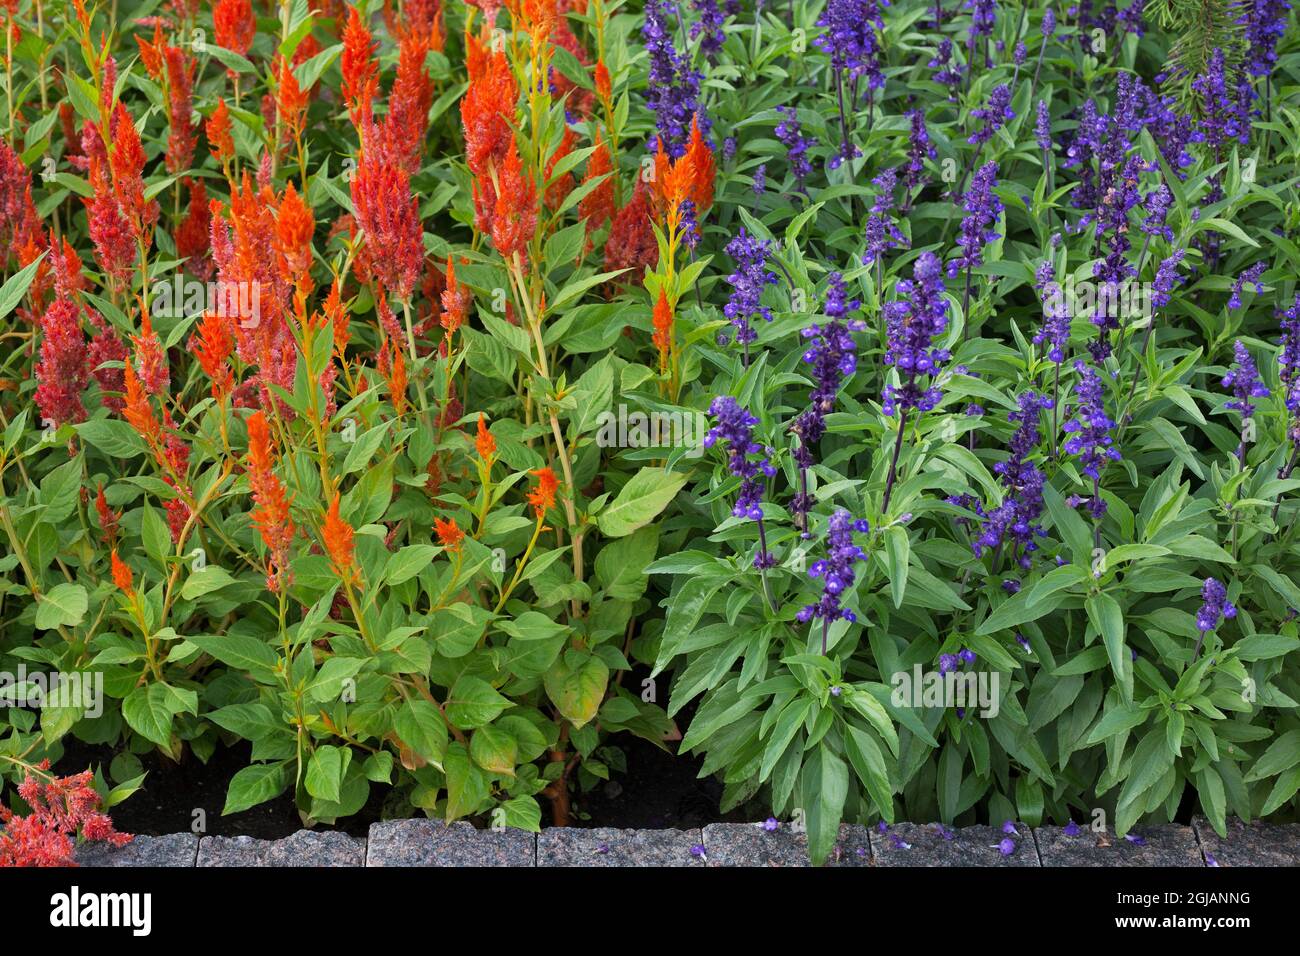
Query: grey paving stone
{"type": "Point", "coordinates": [1249, 844]}
{"type": "Point", "coordinates": [931, 844]}
{"type": "Point", "coordinates": [423, 842]}
{"type": "Point", "coordinates": [1161, 844]}
{"type": "Point", "coordinates": [608, 846]}
{"type": "Point", "coordinates": [174, 849]}
{"type": "Point", "coordinates": [748, 844]}
{"type": "Point", "coordinates": [304, 848]}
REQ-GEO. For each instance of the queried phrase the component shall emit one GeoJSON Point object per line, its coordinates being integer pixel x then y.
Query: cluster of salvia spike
{"type": "Point", "coordinates": [1102, 153]}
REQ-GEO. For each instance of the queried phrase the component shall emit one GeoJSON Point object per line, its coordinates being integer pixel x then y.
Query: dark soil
{"type": "Point", "coordinates": [659, 790]}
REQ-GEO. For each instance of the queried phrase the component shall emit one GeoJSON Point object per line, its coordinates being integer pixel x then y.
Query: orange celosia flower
{"type": "Point", "coordinates": [337, 535]}
{"type": "Point", "coordinates": [151, 51]}
{"type": "Point", "coordinates": [360, 72]}
{"type": "Point", "coordinates": [151, 360]}
{"type": "Point", "coordinates": [137, 410]}
{"type": "Point", "coordinates": [603, 86]}
{"type": "Point", "coordinates": [294, 226]}
{"type": "Point", "coordinates": [542, 497]}
{"type": "Point", "coordinates": [338, 317]}
{"type": "Point", "coordinates": [514, 216]}
{"type": "Point", "coordinates": [486, 113]}
{"type": "Point", "coordinates": [291, 100]}
{"type": "Point", "coordinates": [449, 533]}
{"type": "Point", "coordinates": [485, 444]}
{"type": "Point", "coordinates": [108, 518]}
{"type": "Point", "coordinates": [234, 25]}
{"type": "Point", "coordinates": [703, 168]}
{"type": "Point", "coordinates": [212, 345]}
{"type": "Point", "coordinates": [122, 575]}
{"type": "Point", "coordinates": [559, 189]}
{"type": "Point", "coordinates": [219, 133]}
{"type": "Point", "coordinates": [455, 301]}
{"type": "Point", "coordinates": [663, 334]}
{"type": "Point", "coordinates": [598, 205]}
{"type": "Point", "coordinates": [272, 513]}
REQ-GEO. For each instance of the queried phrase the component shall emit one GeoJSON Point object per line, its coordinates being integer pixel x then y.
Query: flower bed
{"type": "Point", "coordinates": [894, 407]}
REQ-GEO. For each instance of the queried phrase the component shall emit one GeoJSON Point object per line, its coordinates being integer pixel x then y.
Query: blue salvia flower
{"type": "Point", "coordinates": [1249, 277]}
{"type": "Point", "coordinates": [747, 284]}
{"type": "Point", "coordinates": [1224, 112]}
{"type": "Point", "coordinates": [1214, 608]}
{"type": "Point", "coordinates": [1056, 313]}
{"type": "Point", "coordinates": [852, 39]}
{"type": "Point", "coordinates": [836, 572]}
{"type": "Point", "coordinates": [832, 358]}
{"type": "Point", "coordinates": [708, 28]}
{"type": "Point", "coordinates": [1243, 379]}
{"type": "Point", "coordinates": [1043, 127]}
{"type": "Point", "coordinates": [946, 73]}
{"type": "Point", "coordinates": [747, 460]}
{"type": "Point", "coordinates": [1048, 26]}
{"type": "Point", "coordinates": [919, 149]}
{"type": "Point", "coordinates": [760, 180]}
{"type": "Point", "coordinates": [1022, 505]}
{"type": "Point", "coordinates": [673, 91]}
{"type": "Point", "coordinates": [1265, 23]}
{"type": "Point", "coordinates": [912, 323]}
{"type": "Point", "coordinates": [1157, 204]}
{"type": "Point", "coordinates": [1166, 278]}
{"type": "Point", "coordinates": [993, 116]}
{"type": "Point", "coordinates": [1289, 361]}
{"type": "Point", "coordinates": [880, 232]}
{"type": "Point", "coordinates": [983, 208]}
{"type": "Point", "coordinates": [790, 133]}
{"type": "Point", "coordinates": [1089, 429]}
{"type": "Point", "coordinates": [982, 19]}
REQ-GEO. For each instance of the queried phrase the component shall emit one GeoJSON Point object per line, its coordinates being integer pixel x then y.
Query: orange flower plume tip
{"type": "Point", "coordinates": [663, 325]}
{"type": "Point", "coordinates": [122, 576]}
{"type": "Point", "coordinates": [703, 168]}
{"type": "Point", "coordinates": [449, 534]}
{"type": "Point", "coordinates": [220, 133]}
{"type": "Point", "coordinates": [542, 498]}
{"type": "Point", "coordinates": [212, 344]}
{"type": "Point", "coordinates": [603, 86]}
{"type": "Point", "coordinates": [337, 535]}
{"type": "Point", "coordinates": [484, 442]}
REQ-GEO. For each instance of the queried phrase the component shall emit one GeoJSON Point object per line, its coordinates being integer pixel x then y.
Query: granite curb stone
{"type": "Point", "coordinates": [1161, 844]}
{"type": "Point", "coordinates": [934, 845]}
{"type": "Point", "coordinates": [608, 846]}
{"type": "Point", "coordinates": [424, 842]}
{"type": "Point", "coordinates": [304, 848]}
{"type": "Point", "coordinates": [172, 850]}
{"type": "Point", "coordinates": [751, 844]}
{"type": "Point", "coordinates": [1249, 844]}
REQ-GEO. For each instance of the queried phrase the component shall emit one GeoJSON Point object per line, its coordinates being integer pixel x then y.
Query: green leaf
{"type": "Point", "coordinates": [869, 764]}
{"type": "Point", "coordinates": [825, 787]}
{"type": "Point", "coordinates": [1282, 754]}
{"type": "Point", "coordinates": [494, 750]}
{"type": "Point", "coordinates": [523, 813]}
{"type": "Point", "coordinates": [1106, 616]}
{"type": "Point", "coordinates": [254, 785]}
{"type": "Point", "coordinates": [240, 651]}
{"type": "Point", "coordinates": [149, 710]}
{"type": "Point", "coordinates": [325, 772]}
{"type": "Point", "coordinates": [639, 501]}
{"type": "Point", "coordinates": [113, 437]}
{"type": "Point", "coordinates": [473, 703]}
{"type": "Point", "coordinates": [897, 549]}
{"type": "Point", "coordinates": [577, 688]}
{"type": "Point", "coordinates": [209, 578]}
{"type": "Point", "coordinates": [15, 287]}
{"type": "Point", "coordinates": [419, 725]}
{"type": "Point", "coordinates": [62, 606]}
{"type": "Point", "coordinates": [409, 562]}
